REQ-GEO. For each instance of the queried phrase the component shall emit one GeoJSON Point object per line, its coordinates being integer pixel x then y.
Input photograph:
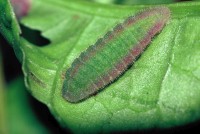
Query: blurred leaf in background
{"type": "Point", "coordinates": [20, 118]}
{"type": "Point", "coordinates": [2, 98]}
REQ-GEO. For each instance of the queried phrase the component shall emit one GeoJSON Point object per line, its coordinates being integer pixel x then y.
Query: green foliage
{"type": "Point", "coordinates": [20, 118]}
{"type": "Point", "coordinates": [160, 90]}
{"type": "Point", "coordinates": [134, 2]}
{"type": "Point", "coordinates": [16, 114]}
{"type": "Point", "coordinates": [2, 102]}
{"type": "Point", "coordinates": [9, 27]}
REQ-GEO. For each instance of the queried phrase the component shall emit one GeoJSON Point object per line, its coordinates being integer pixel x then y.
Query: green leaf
{"type": "Point", "coordinates": [160, 90]}
{"type": "Point", "coordinates": [20, 117]}
{"type": "Point", "coordinates": [9, 27]}
{"type": "Point", "coordinates": [15, 111]}
{"type": "Point", "coordinates": [3, 128]}
{"type": "Point", "coordinates": [134, 2]}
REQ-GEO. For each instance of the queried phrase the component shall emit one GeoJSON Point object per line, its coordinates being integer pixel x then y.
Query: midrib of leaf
{"type": "Point", "coordinates": [166, 71]}
{"type": "Point", "coordinates": [171, 66]}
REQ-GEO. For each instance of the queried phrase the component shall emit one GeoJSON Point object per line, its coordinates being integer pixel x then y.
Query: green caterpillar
{"type": "Point", "coordinates": [110, 56]}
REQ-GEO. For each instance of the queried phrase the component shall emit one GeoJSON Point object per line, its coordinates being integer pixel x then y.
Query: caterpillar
{"type": "Point", "coordinates": [111, 55]}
